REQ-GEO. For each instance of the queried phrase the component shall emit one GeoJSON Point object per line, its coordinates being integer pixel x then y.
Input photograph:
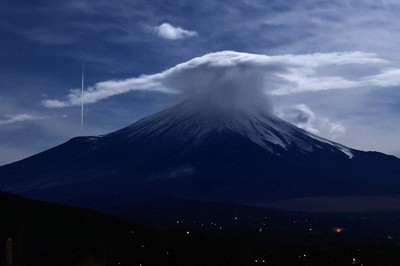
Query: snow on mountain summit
{"type": "Point", "coordinates": [193, 119]}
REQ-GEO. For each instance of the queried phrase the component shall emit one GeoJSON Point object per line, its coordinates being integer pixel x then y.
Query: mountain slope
{"type": "Point", "coordinates": [214, 154]}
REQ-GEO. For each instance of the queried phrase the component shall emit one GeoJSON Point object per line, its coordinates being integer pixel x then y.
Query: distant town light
{"type": "Point", "coordinates": [338, 230]}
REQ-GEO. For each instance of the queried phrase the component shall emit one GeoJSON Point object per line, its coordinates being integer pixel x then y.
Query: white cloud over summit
{"type": "Point", "coordinates": [246, 76]}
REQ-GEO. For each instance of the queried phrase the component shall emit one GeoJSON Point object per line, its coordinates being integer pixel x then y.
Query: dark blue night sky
{"type": "Point", "coordinates": [343, 84]}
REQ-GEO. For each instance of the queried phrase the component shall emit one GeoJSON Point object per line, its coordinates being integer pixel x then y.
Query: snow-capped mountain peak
{"type": "Point", "coordinates": [194, 119]}
{"type": "Point", "coordinates": [196, 150]}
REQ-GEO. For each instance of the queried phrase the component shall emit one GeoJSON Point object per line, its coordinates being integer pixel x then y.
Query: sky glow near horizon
{"type": "Point", "coordinates": [330, 68]}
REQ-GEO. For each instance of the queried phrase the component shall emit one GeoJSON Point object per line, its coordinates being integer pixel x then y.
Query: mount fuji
{"type": "Point", "coordinates": [202, 152]}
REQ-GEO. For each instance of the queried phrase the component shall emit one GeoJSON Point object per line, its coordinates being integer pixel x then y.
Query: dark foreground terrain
{"type": "Point", "coordinates": [190, 233]}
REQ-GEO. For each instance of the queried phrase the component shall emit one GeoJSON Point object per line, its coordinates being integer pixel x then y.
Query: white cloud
{"type": "Point", "coordinates": [387, 78]}
{"type": "Point", "coordinates": [170, 32]}
{"type": "Point", "coordinates": [54, 104]}
{"type": "Point", "coordinates": [304, 83]}
{"type": "Point", "coordinates": [11, 119]}
{"type": "Point", "coordinates": [302, 116]}
{"type": "Point", "coordinates": [106, 89]}
{"type": "Point", "coordinates": [247, 73]}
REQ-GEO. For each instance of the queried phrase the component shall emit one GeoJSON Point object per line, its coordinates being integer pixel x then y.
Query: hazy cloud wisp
{"type": "Point", "coordinates": [11, 119]}
{"type": "Point", "coordinates": [303, 117]}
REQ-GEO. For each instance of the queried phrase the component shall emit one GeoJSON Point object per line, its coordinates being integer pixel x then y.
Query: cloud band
{"type": "Point", "coordinates": [246, 74]}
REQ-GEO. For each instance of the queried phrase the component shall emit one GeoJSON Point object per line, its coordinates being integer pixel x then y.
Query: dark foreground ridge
{"type": "Point", "coordinates": [196, 234]}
